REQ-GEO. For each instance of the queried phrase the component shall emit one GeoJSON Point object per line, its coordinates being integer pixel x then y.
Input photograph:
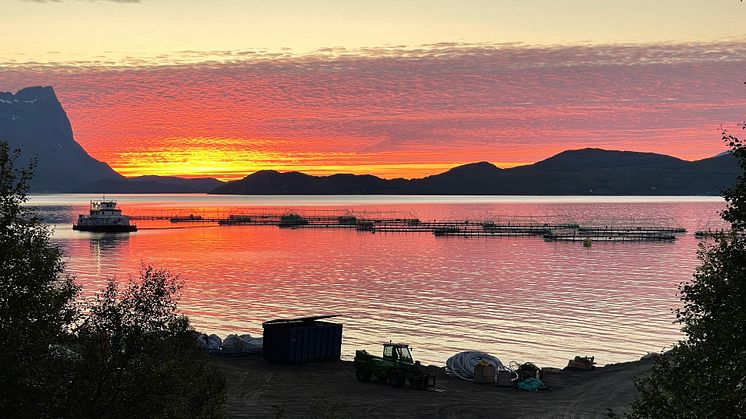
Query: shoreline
{"type": "Point", "coordinates": [255, 388]}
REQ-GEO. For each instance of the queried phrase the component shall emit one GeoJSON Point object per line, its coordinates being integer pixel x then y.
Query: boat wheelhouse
{"type": "Point", "coordinates": [104, 216]}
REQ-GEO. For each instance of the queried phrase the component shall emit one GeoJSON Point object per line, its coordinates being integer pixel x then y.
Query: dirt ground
{"type": "Point", "coordinates": [330, 390]}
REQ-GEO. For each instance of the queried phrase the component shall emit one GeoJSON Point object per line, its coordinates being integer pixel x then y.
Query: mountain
{"type": "Point", "coordinates": [607, 172]}
{"type": "Point", "coordinates": [574, 172]}
{"type": "Point", "coordinates": [34, 121]}
{"type": "Point", "coordinates": [151, 184]}
{"type": "Point", "coordinates": [270, 182]}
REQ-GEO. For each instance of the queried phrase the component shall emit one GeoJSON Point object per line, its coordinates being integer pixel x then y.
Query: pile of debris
{"type": "Point", "coordinates": [232, 345]}
{"type": "Point", "coordinates": [585, 363]}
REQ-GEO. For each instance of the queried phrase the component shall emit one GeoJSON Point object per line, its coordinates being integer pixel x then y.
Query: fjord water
{"type": "Point", "coordinates": [519, 298]}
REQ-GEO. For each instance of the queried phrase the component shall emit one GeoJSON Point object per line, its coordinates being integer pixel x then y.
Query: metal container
{"type": "Point", "coordinates": [306, 339]}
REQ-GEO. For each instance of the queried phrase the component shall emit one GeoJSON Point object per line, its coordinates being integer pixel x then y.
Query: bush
{"type": "Point", "coordinates": [705, 374]}
{"type": "Point", "coordinates": [140, 358]}
{"type": "Point", "coordinates": [126, 354]}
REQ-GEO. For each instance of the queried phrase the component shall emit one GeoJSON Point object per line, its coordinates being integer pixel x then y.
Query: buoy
{"type": "Point", "coordinates": [587, 242]}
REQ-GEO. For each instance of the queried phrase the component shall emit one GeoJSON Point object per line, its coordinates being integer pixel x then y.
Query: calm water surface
{"type": "Point", "coordinates": [519, 298]}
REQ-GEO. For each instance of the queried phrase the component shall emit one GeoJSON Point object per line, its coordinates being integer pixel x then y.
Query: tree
{"type": "Point", "coordinates": [139, 358]}
{"type": "Point", "coordinates": [126, 354]}
{"type": "Point", "coordinates": [37, 301]}
{"type": "Point", "coordinates": [704, 375]}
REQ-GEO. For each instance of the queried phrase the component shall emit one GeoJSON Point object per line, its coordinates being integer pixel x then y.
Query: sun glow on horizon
{"type": "Point", "coordinates": [229, 159]}
{"type": "Point", "coordinates": [398, 114]}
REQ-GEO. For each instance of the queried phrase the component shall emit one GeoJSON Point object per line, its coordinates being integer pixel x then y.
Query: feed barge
{"type": "Point", "coordinates": [104, 217]}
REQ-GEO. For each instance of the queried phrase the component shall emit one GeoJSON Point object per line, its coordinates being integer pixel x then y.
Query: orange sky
{"type": "Point", "coordinates": [404, 89]}
{"type": "Point", "coordinates": [396, 113]}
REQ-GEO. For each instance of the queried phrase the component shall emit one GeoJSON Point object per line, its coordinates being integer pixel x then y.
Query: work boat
{"type": "Point", "coordinates": [104, 217]}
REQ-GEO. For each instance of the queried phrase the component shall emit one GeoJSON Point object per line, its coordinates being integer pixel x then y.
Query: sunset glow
{"type": "Point", "coordinates": [229, 159]}
{"type": "Point", "coordinates": [253, 208]}
{"type": "Point", "coordinates": [225, 108]}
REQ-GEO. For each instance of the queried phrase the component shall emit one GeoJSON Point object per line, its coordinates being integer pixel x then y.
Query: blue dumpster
{"type": "Point", "coordinates": [301, 340]}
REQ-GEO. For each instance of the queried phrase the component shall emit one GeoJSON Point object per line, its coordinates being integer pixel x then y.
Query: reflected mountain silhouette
{"type": "Point", "coordinates": [56, 214]}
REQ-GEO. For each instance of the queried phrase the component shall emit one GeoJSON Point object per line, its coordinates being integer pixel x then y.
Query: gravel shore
{"type": "Point", "coordinates": [325, 390]}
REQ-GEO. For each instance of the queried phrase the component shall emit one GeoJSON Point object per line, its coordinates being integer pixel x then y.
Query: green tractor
{"type": "Point", "coordinates": [395, 367]}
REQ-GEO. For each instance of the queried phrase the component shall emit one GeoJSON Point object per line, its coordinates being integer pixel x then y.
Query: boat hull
{"type": "Point", "coordinates": [105, 228]}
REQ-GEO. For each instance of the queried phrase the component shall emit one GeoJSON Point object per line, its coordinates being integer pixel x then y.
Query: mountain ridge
{"type": "Point", "coordinates": [34, 121]}
{"type": "Point", "coordinates": [587, 171]}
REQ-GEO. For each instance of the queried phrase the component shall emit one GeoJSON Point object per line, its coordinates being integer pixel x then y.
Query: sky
{"type": "Point", "coordinates": [392, 88]}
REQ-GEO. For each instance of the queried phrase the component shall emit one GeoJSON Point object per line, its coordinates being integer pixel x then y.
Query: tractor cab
{"type": "Point", "coordinates": [397, 352]}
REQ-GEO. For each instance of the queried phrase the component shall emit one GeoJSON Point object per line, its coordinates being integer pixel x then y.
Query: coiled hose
{"type": "Point", "coordinates": [462, 364]}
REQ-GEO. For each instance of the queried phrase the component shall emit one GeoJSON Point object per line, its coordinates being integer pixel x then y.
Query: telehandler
{"type": "Point", "coordinates": [395, 367]}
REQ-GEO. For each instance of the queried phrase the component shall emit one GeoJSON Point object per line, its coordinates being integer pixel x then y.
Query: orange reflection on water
{"type": "Point", "coordinates": [521, 299]}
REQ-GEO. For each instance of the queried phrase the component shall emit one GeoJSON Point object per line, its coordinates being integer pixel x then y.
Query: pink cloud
{"type": "Point", "coordinates": [440, 104]}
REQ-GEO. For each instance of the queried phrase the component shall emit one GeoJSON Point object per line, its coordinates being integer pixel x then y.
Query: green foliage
{"type": "Point", "coordinates": [140, 359]}
{"type": "Point", "coordinates": [36, 299]}
{"type": "Point", "coordinates": [125, 354]}
{"type": "Point", "coordinates": [736, 196]}
{"type": "Point", "coordinates": [705, 374]}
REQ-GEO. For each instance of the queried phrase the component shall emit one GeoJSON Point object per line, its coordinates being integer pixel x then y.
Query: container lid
{"type": "Point", "coordinates": [310, 319]}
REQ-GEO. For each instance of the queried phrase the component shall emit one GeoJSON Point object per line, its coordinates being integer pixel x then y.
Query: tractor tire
{"type": "Point", "coordinates": [363, 373]}
{"type": "Point", "coordinates": [397, 378]}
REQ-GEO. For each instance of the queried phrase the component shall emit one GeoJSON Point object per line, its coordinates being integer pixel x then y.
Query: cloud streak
{"type": "Point", "coordinates": [91, 1]}
{"type": "Point", "coordinates": [393, 111]}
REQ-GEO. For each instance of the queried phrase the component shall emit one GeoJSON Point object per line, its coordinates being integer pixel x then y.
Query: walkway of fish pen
{"type": "Point", "coordinates": [716, 233]}
{"type": "Point", "coordinates": [609, 236]}
{"type": "Point", "coordinates": [375, 222]}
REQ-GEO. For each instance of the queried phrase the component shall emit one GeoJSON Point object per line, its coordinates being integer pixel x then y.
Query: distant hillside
{"type": "Point", "coordinates": [151, 184]}
{"type": "Point", "coordinates": [270, 182]}
{"type": "Point", "coordinates": [34, 121]}
{"type": "Point", "coordinates": [574, 172]}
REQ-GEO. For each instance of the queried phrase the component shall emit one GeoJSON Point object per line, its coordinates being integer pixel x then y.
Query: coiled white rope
{"type": "Point", "coordinates": [462, 364]}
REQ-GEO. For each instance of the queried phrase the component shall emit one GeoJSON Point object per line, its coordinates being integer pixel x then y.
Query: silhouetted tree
{"type": "Point", "coordinates": [126, 354]}
{"type": "Point", "coordinates": [139, 358]}
{"type": "Point", "coordinates": [36, 298]}
{"type": "Point", "coordinates": [704, 375]}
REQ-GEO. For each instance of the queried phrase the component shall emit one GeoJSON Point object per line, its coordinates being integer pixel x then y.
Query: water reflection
{"type": "Point", "coordinates": [56, 214]}
{"type": "Point", "coordinates": [105, 245]}
{"type": "Point", "coordinates": [519, 298]}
